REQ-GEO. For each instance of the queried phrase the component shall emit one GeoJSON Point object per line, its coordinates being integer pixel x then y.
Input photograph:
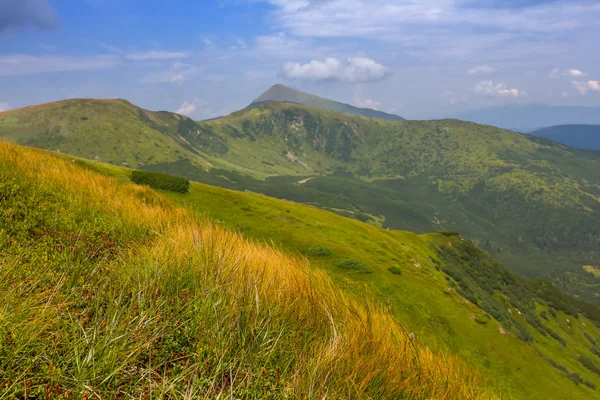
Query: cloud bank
{"type": "Point", "coordinates": [498, 89]}
{"type": "Point", "coordinates": [190, 108]}
{"type": "Point", "coordinates": [585, 87]}
{"type": "Point", "coordinates": [353, 69]}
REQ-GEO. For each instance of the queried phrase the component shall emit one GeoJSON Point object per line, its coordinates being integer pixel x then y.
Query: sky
{"type": "Point", "coordinates": [206, 58]}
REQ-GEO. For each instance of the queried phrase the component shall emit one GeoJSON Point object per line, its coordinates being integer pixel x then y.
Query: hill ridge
{"type": "Point", "coordinates": [286, 94]}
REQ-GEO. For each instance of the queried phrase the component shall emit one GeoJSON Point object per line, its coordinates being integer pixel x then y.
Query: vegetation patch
{"type": "Point", "coordinates": [448, 233]}
{"type": "Point", "coordinates": [353, 265]}
{"type": "Point", "coordinates": [317, 250]}
{"type": "Point", "coordinates": [589, 364]}
{"type": "Point", "coordinates": [395, 270]}
{"type": "Point", "coordinates": [592, 270]}
{"type": "Point", "coordinates": [158, 180]}
{"type": "Point", "coordinates": [590, 338]}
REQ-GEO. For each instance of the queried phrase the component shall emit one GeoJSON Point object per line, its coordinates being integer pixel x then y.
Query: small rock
{"type": "Point", "coordinates": [412, 336]}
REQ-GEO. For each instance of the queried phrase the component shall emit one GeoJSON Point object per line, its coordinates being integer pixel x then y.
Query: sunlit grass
{"type": "Point", "coordinates": [123, 294]}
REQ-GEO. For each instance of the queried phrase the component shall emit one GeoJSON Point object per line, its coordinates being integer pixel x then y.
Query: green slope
{"type": "Point", "coordinates": [116, 131]}
{"type": "Point", "coordinates": [513, 330]}
{"type": "Point", "coordinates": [580, 136]}
{"type": "Point", "coordinates": [532, 203]}
{"type": "Point", "coordinates": [282, 93]}
{"type": "Point", "coordinates": [111, 290]}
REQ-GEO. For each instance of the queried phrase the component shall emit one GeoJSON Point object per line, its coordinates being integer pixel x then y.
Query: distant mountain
{"type": "Point", "coordinates": [530, 117]}
{"type": "Point", "coordinates": [284, 94]}
{"type": "Point", "coordinates": [580, 136]}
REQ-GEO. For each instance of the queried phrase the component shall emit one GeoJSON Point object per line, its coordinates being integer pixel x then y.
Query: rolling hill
{"type": "Point", "coordinates": [282, 93]}
{"type": "Point", "coordinates": [530, 117]}
{"type": "Point", "coordinates": [532, 203]}
{"type": "Point", "coordinates": [93, 264]}
{"type": "Point", "coordinates": [580, 136]}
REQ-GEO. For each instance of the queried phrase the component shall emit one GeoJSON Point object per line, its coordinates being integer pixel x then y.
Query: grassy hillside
{"type": "Point", "coordinates": [111, 290]}
{"type": "Point", "coordinates": [525, 336]}
{"type": "Point", "coordinates": [282, 93]}
{"type": "Point", "coordinates": [580, 136]}
{"type": "Point", "coordinates": [534, 204]}
{"type": "Point", "coordinates": [115, 131]}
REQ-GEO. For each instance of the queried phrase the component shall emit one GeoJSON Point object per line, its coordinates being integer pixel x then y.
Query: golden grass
{"type": "Point", "coordinates": [340, 348]}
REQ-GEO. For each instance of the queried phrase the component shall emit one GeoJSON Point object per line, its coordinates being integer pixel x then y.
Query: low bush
{"type": "Point", "coordinates": [449, 233]}
{"type": "Point", "coordinates": [559, 367]}
{"type": "Point", "coordinates": [574, 376]}
{"type": "Point", "coordinates": [317, 250]}
{"type": "Point", "coordinates": [158, 180]}
{"type": "Point", "coordinates": [596, 351]}
{"type": "Point", "coordinates": [589, 384]}
{"type": "Point", "coordinates": [353, 265]}
{"type": "Point", "coordinates": [395, 270]}
{"type": "Point", "coordinates": [589, 364]}
{"type": "Point", "coordinates": [590, 338]}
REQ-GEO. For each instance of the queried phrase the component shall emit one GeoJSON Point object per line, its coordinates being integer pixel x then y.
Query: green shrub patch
{"type": "Point", "coordinates": [353, 265]}
{"type": "Point", "coordinates": [158, 180]}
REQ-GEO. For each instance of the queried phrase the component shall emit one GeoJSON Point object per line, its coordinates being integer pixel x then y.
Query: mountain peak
{"type": "Point", "coordinates": [285, 94]}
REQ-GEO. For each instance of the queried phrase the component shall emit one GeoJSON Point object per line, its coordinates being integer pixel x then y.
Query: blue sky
{"type": "Point", "coordinates": [204, 58]}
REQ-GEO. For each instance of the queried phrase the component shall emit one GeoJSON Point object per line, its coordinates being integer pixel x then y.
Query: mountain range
{"type": "Point", "coordinates": [531, 117]}
{"type": "Point", "coordinates": [533, 204]}
{"type": "Point", "coordinates": [580, 136]}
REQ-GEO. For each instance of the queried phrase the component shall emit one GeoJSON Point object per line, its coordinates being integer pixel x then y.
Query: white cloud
{"type": "Point", "coordinates": [5, 107]}
{"type": "Point", "coordinates": [554, 74]}
{"type": "Point", "coordinates": [23, 64]}
{"type": "Point", "coordinates": [281, 45]}
{"type": "Point", "coordinates": [393, 19]}
{"type": "Point", "coordinates": [572, 73]}
{"type": "Point", "coordinates": [157, 55]}
{"type": "Point", "coordinates": [499, 89]}
{"type": "Point", "coordinates": [481, 69]}
{"type": "Point", "coordinates": [190, 108]}
{"type": "Point", "coordinates": [584, 87]}
{"type": "Point", "coordinates": [357, 97]}
{"type": "Point", "coordinates": [177, 73]}
{"type": "Point", "coordinates": [575, 73]}
{"type": "Point", "coordinates": [209, 44]}
{"type": "Point", "coordinates": [354, 69]}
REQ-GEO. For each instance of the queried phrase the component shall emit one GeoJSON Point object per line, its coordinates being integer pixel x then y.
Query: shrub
{"type": "Point", "coordinates": [395, 270]}
{"type": "Point", "coordinates": [158, 180]}
{"type": "Point", "coordinates": [544, 315]}
{"type": "Point", "coordinates": [574, 376]}
{"type": "Point", "coordinates": [590, 338]}
{"type": "Point", "coordinates": [589, 384]}
{"type": "Point", "coordinates": [449, 233]}
{"type": "Point", "coordinates": [589, 364]}
{"type": "Point", "coordinates": [596, 351]}
{"type": "Point", "coordinates": [559, 367]}
{"type": "Point", "coordinates": [317, 250]}
{"type": "Point", "coordinates": [353, 265]}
